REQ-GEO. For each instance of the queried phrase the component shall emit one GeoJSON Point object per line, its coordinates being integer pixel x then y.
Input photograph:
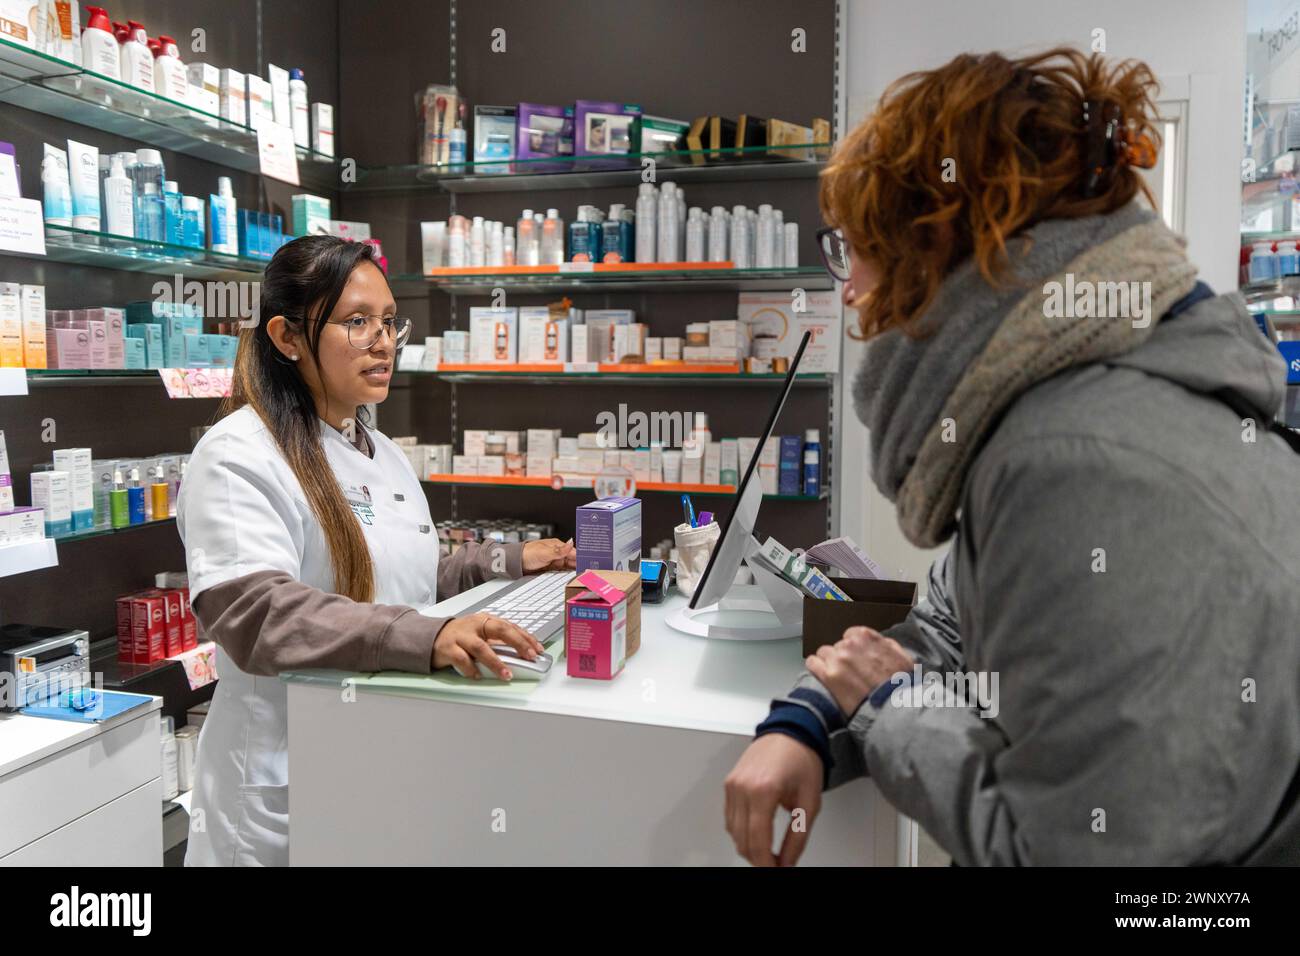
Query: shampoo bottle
{"type": "Point", "coordinates": [119, 195]}
{"type": "Point", "coordinates": [170, 78]}
{"type": "Point", "coordinates": [137, 58]}
{"type": "Point", "coordinates": [98, 45]}
{"type": "Point", "coordinates": [616, 236]}
{"type": "Point", "coordinates": [527, 252]}
{"type": "Point", "coordinates": [552, 238]}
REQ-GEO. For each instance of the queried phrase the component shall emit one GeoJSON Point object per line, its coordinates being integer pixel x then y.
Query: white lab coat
{"type": "Point", "coordinates": [241, 510]}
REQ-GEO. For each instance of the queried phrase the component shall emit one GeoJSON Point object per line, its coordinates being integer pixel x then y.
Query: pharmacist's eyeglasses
{"type": "Point", "coordinates": [835, 253]}
{"type": "Point", "coordinates": [364, 330]}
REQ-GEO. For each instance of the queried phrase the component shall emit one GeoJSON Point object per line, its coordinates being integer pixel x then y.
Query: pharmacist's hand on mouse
{"type": "Point", "coordinates": [774, 771]}
{"type": "Point", "coordinates": [549, 554]}
{"type": "Point", "coordinates": [857, 664]}
{"type": "Point", "coordinates": [464, 640]}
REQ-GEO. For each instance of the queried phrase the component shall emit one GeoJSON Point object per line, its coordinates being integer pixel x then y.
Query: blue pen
{"type": "Point", "coordinates": [688, 509]}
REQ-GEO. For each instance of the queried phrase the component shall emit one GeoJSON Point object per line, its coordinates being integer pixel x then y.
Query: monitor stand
{"type": "Point", "coordinates": [771, 609]}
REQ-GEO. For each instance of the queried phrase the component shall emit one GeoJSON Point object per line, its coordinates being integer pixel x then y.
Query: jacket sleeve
{"type": "Point", "coordinates": [476, 562]}
{"type": "Point", "coordinates": [1087, 655]}
{"type": "Point", "coordinates": [810, 714]}
{"type": "Point", "coordinates": [268, 622]}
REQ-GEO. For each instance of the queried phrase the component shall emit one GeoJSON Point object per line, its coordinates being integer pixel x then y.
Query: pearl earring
{"type": "Point", "coordinates": [294, 357]}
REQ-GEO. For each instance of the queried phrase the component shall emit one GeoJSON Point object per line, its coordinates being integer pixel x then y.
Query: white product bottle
{"type": "Point", "coordinates": [456, 242]}
{"type": "Point", "coordinates": [170, 78]}
{"type": "Point", "coordinates": [763, 243]}
{"type": "Point", "coordinates": [119, 212]}
{"type": "Point", "coordinates": [666, 225]}
{"type": "Point", "coordinates": [137, 59]}
{"type": "Point", "coordinates": [552, 239]}
{"type": "Point", "coordinates": [99, 46]}
{"type": "Point", "coordinates": [778, 239]}
{"type": "Point", "coordinates": [527, 252]}
{"type": "Point", "coordinates": [791, 258]}
{"type": "Point", "coordinates": [751, 231]}
{"type": "Point", "coordinates": [298, 109]}
{"type": "Point", "coordinates": [647, 211]}
{"type": "Point", "coordinates": [718, 235]}
{"type": "Point", "coordinates": [508, 247]}
{"type": "Point", "coordinates": [476, 245]}
{"type": "Point", "coordinates": [695, 235]}
{"type": "Point", "coordinates": [227, 193]}
{"type": "Point", "coordinates": [496, 245]}
{"type": "Point", "coordinates": [681, 224]}
{"type": "Point", "coordinates": [739, 237]}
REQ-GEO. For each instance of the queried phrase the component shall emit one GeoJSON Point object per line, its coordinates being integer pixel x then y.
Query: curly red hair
{"type": "Point", "coordinates": [957, 160]}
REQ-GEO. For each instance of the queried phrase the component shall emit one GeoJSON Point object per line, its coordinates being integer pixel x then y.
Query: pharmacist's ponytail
{"type": "Point", "coordinates": [303, 282]}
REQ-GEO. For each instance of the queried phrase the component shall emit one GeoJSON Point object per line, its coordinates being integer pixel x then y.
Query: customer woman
{"type": "Point", "coordinates": [1051, 392]}
{"type": "Point", "coordinates": [309, 539]}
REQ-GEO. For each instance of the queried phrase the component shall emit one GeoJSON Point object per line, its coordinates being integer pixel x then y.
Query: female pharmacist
{"type": "Point", "coordinates": [1121, 572]}
{"type": "Point", "coordinates": [309, 541]}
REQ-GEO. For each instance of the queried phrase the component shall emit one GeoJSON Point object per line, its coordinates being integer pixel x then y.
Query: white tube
{"type": "Point", "coordinates": [83, 179]}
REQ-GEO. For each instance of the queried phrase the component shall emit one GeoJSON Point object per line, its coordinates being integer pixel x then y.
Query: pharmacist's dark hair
{"type": "Point", "coordinates": [303, 283]}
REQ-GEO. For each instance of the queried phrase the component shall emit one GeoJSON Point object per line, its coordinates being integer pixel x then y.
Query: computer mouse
{"type": "Point", "coordinates": [520, 667]}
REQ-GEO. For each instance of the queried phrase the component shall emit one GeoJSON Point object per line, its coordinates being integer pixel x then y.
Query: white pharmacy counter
{"type": "Point", "coordinates": [81, 794]}
{"type": "Point", "coordinates": [405, 769]}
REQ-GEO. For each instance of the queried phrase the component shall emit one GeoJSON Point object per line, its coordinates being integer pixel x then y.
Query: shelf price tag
{"type": "Point", "coordinates": [276, 154]}
{"type": "Point", "coordinates": [22, 227]}
{"type": "Point", "coordinates": [581, 368]}
{"type": "Point", "coordinates": [577, 267]}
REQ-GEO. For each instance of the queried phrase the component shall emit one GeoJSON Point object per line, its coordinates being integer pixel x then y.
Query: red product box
{"type": "Point", "coordinates": [174, 641]}
{"type": "Point", "coordinates": [189, 623]}
{"type": "Point", "coordinates": [148, 627]}
{"type": "Point", "coordinates": [125, 644]}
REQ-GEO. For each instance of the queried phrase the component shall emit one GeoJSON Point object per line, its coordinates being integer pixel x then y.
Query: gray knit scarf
{"type": "Point", "coordinates": [930, 403]}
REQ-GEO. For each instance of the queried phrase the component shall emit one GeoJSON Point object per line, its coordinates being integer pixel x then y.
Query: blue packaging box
{"type": "Point", "coordinates": [1291, 352]}
{"type": "Point", "coordinates": [789, 474]}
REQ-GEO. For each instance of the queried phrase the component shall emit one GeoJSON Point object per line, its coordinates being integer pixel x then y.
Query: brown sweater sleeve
{"type": "Point", "coordinates": [476, 562]}
{"type": "Point", "coordinates": [268, 622]}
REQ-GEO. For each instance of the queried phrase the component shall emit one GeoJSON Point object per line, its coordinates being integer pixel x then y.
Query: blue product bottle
{"type": "Point", "coordinates": [192, 222]}
{"type": "Point", "coordinates": [584, 238]}
{"type": "Point", "coordinates": [150, 215]}
{"type": "Point", "coordinates": [172, 214]}
{"type": "Point", "coordinates": [616, 237]}
{"type": "Point", "coordinates": [247, 239]}
{"type": "Point", "coordinates": [135, 498]}
{"type": "Point", "coordinates": [812, 463]}
{"type": "Point", "coordinates": [147, 176]}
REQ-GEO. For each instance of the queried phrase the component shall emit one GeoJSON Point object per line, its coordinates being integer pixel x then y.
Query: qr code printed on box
{"type": "Point", "coordinates": [587, 663]}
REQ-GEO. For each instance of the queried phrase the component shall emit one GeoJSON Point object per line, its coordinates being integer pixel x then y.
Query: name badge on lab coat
{"type": "Point", "coordinates": [359, 500]}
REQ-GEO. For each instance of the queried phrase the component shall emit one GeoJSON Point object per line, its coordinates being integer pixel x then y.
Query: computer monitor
{"type": "Point", "coordinates": [733, 545]}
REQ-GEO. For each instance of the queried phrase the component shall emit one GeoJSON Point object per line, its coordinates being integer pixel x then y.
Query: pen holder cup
{"type": "Point", "coordinates": [694, 545]}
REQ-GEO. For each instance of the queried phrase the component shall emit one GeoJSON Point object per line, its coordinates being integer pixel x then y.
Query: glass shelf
{"type": "Point", "coordinates": [650, 375]}
{"type": "Point", "coordinates": [105, 532]}
{"type": "Point", "coordinates": [584, 172]}
{"type": "Point", "coordinates": [625, 278]}
{"type": "Point", "coordinates": [656, 487]}
{"type": "Point", "coordinates": [46, 84]}
{"type": "Point", "coordinates": [84, 248]}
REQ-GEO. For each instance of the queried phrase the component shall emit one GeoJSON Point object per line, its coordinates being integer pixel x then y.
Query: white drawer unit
{"type": "Point", "coordinates": [69, 788]}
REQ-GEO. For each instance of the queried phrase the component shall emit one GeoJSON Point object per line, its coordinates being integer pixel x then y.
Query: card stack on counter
{"type": "Point", "coordinates": [845, 555]}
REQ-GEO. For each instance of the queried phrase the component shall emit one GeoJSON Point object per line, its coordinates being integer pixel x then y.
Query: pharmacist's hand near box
{"type": "Point", "coordinates": [856, 665]}
{"type": "Point", "coordinates": [549, 554]}
{"type": "Point", "coordinates": [463, 641]}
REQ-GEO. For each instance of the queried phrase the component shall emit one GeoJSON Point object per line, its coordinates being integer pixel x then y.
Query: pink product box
{"type": "Point", "coordinates": [68, 348]}
{"type": "Point", "coordinates": [98, 330]}
{"type": "Point", "coordinates": [114, 335]}
{"type": "Point", "coordinates": [595, 628]}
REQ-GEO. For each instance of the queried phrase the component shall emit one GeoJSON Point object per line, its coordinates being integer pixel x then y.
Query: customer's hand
{"type": "Point", "coordinates": [857, 664]}
{"type": "Point", "coordinates": [464, 640]}
{"type": "Point", "coordinates": [774, 771]}
{"type": "Point", "coordinates": [549, 554]}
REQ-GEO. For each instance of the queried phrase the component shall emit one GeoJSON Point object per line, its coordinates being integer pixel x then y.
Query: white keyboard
{"type": "Point", "coordinates": [534, 603]}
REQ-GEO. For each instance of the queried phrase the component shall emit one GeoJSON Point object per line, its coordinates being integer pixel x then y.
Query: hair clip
{"type": "Point", "coordinates": [1110, 143]}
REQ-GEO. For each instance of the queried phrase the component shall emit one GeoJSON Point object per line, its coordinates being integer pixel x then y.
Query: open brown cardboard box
{"type": "Point", "coordinates": [876, 604]}
{"type": "Point", "coordinates": [630, 584]}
